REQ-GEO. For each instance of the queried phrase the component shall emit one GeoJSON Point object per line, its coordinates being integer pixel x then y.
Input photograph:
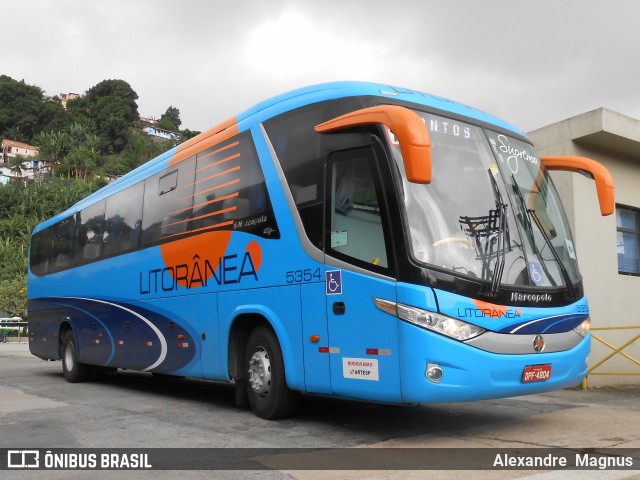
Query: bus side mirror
{"type": "Point", "coordinates": [605, 186]}
{"type": "Point", "coordinates": [406, 125]}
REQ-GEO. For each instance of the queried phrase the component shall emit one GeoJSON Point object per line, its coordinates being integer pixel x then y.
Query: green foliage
{"type": "Point", "coordinates": [170, 120]}
{"type": "Point", "coordinates": [186, 134]}
{"type": "Point", "coordinates": [21, 209]}
{"type": "Point", "coordinates": [96, 135]}
{"type": "Point", "coordinates": [140, 148]}
{"type": "Point", "coordinates": [76, 148]}
{"type": "Point", "coordinates": [111, 105]}
{"type": "Point", "coordinates": [13, 297]}
{"type": "Point", "coordinates": [24, 111]}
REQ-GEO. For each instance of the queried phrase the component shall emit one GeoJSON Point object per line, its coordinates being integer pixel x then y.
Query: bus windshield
{"type": "Point", "coordinates": [490, 212]}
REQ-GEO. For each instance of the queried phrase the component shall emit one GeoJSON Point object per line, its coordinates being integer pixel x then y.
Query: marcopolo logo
{"type": "Point", "coordinates": [531, 297]}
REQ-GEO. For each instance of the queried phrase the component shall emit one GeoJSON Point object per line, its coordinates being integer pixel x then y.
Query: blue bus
{"type": "Point", "coordinates": [348, 239]}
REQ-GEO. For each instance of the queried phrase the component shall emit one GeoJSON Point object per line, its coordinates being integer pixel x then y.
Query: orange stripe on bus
{"type": "Point", "coordinates": [189, 163]}
{"type": "Point", "coordinates": [213, 214]}
{"type": "Point", "coordinates": [231, 157]}
{"type": "Point", "coordinates": [222, 185]}
{"type": "Point", "coordinates": [205, 140]}
{"type": "Point", "coordinates": [221, 149]}
{"type": "Point", "coordinates": [221, 199]}
{"type": "Point", "coordinates": [226, 159]}
{"type": "Point", "coordinates": [219, 174]}
{"type": "Point", "coordinates": [217, 212]}
{"type": "Point", "coordinates": [211, 227]}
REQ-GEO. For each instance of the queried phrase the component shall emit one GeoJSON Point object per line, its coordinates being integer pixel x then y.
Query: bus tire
{"type": "Point", "coordinates": [73, 370]}
{"type": "Point", "coordinates": [266, 384]}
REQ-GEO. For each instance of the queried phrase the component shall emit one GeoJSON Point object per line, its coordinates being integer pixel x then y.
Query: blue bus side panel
{"type": "Point", "coordinates": [314, 323]}
{"type": "Point", "coordinates": [365, 360]}
{"type": "Point", "coordinates": [280, 306]}
{"type": "Point", "coordinates": [118, 334]}
{"type": "Point", "coordinates": [417, 296]}
{"type": "Point", "coordinates": [186, 318]}
{"type": "Point", "coordinates": [44, 324]}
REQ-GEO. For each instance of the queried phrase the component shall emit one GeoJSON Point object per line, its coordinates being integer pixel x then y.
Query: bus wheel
{"type": "Point", "coordinates": [73, 370]}
{"type": "Point", "coordinates": [269, 395]}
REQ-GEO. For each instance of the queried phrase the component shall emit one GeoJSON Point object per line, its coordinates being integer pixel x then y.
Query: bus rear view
{"type": "Point", "coordinates": [383, 244]}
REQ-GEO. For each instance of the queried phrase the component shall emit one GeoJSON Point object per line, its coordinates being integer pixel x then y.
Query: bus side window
{"type": "Point", "coordinates": [168, 201]}
{"type": "Point", "coordinates": [123, 221]}
{"type": "Point", "coordinates": [60, 253]}
{"type": "Point", "coordinates": [355, 215]}
{"type": "Point", "coordinates": [301, 152]}
{"type": "Point", "coordinates": [230, 190]}
{"type": "Point", "coordinates": [89, 232]}
{"type": "Point", "coordinates": [215, 196]}
{"type": "Point", "coordinates": [39, 253]}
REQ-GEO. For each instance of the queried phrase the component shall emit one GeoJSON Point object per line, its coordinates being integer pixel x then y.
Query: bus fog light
{"type": "Point", "coordinates": [434, 373]}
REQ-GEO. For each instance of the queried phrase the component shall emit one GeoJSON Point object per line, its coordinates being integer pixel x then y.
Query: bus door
{"type": "Point", "coordinates": [363, 347]}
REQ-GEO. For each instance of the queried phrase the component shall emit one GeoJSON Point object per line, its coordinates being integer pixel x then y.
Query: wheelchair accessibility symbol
{"type": "Point", "coordinates": [536, 273]}
{"type": "Point", "coordinates": [333, 279]}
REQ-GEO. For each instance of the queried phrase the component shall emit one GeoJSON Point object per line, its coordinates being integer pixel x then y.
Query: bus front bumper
{"type": "Point", "coordinates": [461, 372]}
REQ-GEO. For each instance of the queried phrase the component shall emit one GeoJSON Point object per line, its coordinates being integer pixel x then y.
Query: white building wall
{"type": "Point", "coordinates": [613, 298]}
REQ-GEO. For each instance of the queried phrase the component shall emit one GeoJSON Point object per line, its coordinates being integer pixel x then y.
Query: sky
{"type": "Point", "coordinates": [530, 62]}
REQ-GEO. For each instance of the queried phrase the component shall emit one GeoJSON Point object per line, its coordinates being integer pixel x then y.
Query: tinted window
{"type": "Point", "coordinates": [89, 232]}
{"type": "Point", "coordinates": [168, 198]}
{"type": "Point", "coordinates": [356, 233]}
{"type": "Point", "coordinates": [230, 190]}
{"type": "Point", "coordinates": [61, 245]}
{"type": "Point", "coordinates": [217, 187]}
{"type": "Point", "coordinates": [123, 221]}
{"type": "Point", "coordinates": [52, 248]}
{"type": "Point", "coordinates": [39, 252]}
{"type": "Point", "coordinates": [302, 154]}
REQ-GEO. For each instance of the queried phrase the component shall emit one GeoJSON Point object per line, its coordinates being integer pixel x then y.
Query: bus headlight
{"type": "Point", "coordinates": [583, 328]}
{"type": "Point", "coordinates": [438, 323]}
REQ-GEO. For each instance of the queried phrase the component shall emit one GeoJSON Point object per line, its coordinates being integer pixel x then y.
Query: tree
{"type": "Point", "coordinates": [111, 105]}
{"type": "Point", "coordinates": [77, 148]}
{"type": "Point", "coordinates": [140, 149]}
{"type": "Point", "coordinates": [24, 110]}
{"type": "Point", "coordinates": [52, 116]}
{"type": "Point", "coordinates": [52, 145]}
{"type": "Point", "coordinates": [16, 165]}
{"type": "Point", "coordinates": [186, 134]}
{"type": "Point", "coordinates": [170, 119]}
{"type": "Point", "coordinates": [21, 209]}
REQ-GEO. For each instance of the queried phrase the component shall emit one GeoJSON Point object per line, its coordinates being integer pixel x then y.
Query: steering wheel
{"type": "Point", "coordinates": [462, 240]}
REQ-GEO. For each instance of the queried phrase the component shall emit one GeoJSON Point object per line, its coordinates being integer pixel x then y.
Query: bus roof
{"type": "Point", "coordinates": [275, 106]}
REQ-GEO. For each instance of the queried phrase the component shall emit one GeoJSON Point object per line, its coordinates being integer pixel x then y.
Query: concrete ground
{"type": "Point", "coordinates": [38, 409]}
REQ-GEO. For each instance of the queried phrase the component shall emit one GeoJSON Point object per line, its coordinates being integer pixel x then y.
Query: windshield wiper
{"type": "Point", "coordinates": [501, 208]}
{"type": "Point", "coordinates": [531, 214]}
{"type": "Point", "coordinates": [565, 274]}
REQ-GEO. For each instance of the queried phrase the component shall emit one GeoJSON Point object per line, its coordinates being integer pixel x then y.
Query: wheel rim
{"type": "Point", "coordinates": [69, 357]}
{"type": "Point", "coordinates": [260, 372]}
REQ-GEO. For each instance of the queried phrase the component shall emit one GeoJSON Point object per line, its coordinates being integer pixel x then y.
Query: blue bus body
{"type": "Point", "coordinates": [171, 268]}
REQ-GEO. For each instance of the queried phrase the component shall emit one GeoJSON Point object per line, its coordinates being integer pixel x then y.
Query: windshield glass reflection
{"type": "Point", "coordinates": [474, 218]}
